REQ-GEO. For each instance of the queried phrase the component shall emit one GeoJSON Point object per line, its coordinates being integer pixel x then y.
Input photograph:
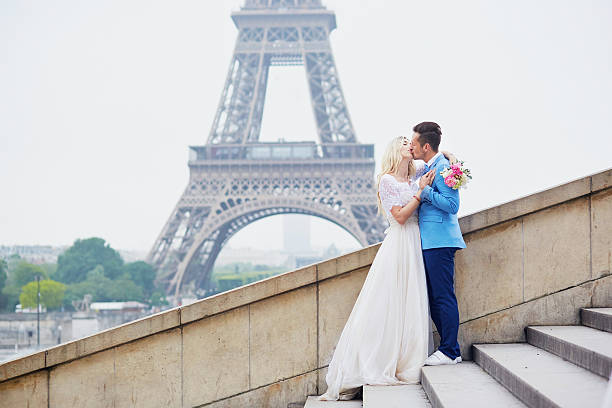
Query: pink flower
{"type": "Point", "coordinates": [450, 181]}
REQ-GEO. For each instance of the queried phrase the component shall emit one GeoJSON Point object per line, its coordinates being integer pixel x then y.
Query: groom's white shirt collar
{"type": "Point", "coordinates": [433, 159]}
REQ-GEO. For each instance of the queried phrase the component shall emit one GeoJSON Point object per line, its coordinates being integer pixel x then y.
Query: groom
{"type": "Point", "coordinates": [440, 238]}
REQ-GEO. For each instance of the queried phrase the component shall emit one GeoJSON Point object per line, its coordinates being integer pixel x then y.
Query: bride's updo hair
{"type": "Point", "coordinates": [390, 163]}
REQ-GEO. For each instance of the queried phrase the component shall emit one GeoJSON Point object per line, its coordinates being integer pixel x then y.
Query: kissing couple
{"type": "Point", "coordinates": [388, 335]}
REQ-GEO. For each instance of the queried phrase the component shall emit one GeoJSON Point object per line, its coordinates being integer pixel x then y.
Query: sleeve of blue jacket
{"type": "Point", "coordinates": [445, 198]}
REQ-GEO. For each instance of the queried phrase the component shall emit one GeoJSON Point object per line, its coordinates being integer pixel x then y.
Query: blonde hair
{"type": "Point", "coordinates": [390, 163]}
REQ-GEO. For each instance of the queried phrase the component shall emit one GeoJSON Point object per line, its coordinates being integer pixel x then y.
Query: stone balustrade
{"type": "Point", "coordinates": [533, 261]}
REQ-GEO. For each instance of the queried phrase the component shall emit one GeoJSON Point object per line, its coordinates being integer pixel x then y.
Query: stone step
{"type": "Point", "coordinates": [599, 318]}
{"type": "Point", "coordinates": [589, 348]}
{"type": "Point", "coordinates": [539, 378]}
{"type": "Point", "coordinates": [394, 396]}
{"type": "Point", "coordinates": [465, 385]}
{"type": "Point", "coordinates": [312, 402]}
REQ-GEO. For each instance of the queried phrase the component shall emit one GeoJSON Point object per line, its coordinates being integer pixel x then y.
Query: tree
{"type": "Point", "coordinates": [3, 276]}
{"type": "Point", "coordinates": [123, 290]}
{"type": "Point", "coordinates": [103, 289]}
{"type": "Point", "coordinates": [10, 297]}
{"type": "Point", "coordinates": [96, 285]}
{"type": "Point", "coordinates": [50, 269]}
{"type": "Point", "coordinates": [25, 273]}
{"type": "Point", "coordinates": [158, 298]}
{"type": "Point", "coordinates": [142, 274]}
{"type": "Point", "coordinates": [19, 274]}
{"type": "Point", "coordinates": [12, 260]}
{"type": "Point", "coordinates": [51, 294]}
{"type": "Point", "coordinates": [85, 255]}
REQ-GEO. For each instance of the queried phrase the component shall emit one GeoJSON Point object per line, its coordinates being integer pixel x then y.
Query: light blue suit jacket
{"type": "Point", "coordinates": [438, 212]}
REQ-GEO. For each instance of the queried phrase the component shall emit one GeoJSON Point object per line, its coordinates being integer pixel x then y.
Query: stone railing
{"type": "Point", "coordinates": [535, 260]}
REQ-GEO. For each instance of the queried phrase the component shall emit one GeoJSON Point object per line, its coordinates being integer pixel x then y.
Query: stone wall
{"type": "Point", "coordinates": [535, 260]}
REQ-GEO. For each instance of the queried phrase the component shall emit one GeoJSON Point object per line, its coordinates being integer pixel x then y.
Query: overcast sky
{"type": "Point", "coordinates": [99, 101]}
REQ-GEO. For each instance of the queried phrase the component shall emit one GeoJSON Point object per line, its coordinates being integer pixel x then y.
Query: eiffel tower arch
{"type": "Point", "coordinates": [236, 180]}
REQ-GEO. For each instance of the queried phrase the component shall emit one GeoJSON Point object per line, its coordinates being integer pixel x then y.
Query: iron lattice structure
{"type": "Point", "coordinates": [236, 180]}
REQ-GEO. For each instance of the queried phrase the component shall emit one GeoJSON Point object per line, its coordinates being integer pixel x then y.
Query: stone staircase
{"type": "Point", "coordinates": [559, 366]}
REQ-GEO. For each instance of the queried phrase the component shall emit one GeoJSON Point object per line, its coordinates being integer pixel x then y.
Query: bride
{"type": "Point", "coordinates": [387, 336]}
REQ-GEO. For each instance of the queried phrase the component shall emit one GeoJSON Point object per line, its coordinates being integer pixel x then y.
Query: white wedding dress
{"type": "Point", "coordinates": [387, 336]}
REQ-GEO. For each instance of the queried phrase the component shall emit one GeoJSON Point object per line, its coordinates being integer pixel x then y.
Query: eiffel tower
{"type": "Point", "coordinates": [236, 180]}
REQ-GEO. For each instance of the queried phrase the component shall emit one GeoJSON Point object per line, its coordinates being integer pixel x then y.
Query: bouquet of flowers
{"type": "Point", "coordinates": [456, 176]}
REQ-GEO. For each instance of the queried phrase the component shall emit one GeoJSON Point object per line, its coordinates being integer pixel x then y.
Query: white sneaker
{"type": "Point", "coordinates": [439, 358]}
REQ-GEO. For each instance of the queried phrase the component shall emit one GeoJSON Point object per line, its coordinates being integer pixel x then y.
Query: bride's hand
{"type": "Point", "coordinates": [426, 179]}
{"type": "Point", "coordinates": [449, 156]}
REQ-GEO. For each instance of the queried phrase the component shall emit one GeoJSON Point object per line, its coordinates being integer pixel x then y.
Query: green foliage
{"type": "Point", "coordinates": [3, 274]}
{"type": "Point", "coordinates": [224, 284]}
{"type": "Point", "coordinates": [10, 297]}
{"type": "Point", "coordinates": [50, 269]}
{"type": "Point", "coordinates": [51, 294]}
{"type": "Point", "coordinates": [142, 274]}
{"type": "Point", "coordinates": [96, 285]}
{"type": "Point", "coordinates": [89, 266]}
{"type": "Point", "coordinates": [25, 273]}
{"type": "Point", "coordinates": [20, 273]}
{"type": "Point", "coordinates": [237, 274]}
{"type": "Point", "coordinates": [158, 298]}
{"type": "Point", "coordinates": [122, 290]}
{"type": "Point", "coordinates": [103, 289]}
{"type": "Point", "coordinates": [12, 261]}
{"type": "Point", "coordinates": [83, 256]}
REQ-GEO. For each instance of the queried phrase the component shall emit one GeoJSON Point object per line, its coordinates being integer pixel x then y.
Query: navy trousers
{"type": "Point", "coordinates": [440, 273]}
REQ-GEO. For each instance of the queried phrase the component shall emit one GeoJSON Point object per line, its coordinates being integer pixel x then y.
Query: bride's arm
{"type": "Point", "coordinates": [401, 214]}
{"type": "Point", "coordinates": [449, 156]}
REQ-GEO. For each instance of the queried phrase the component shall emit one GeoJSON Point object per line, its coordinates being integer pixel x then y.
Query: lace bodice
{"type": "Point", "coordinates": [393, 192]}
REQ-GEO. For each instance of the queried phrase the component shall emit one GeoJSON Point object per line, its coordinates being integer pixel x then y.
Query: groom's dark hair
{"type": "Point", "coordinates": [429, 132]}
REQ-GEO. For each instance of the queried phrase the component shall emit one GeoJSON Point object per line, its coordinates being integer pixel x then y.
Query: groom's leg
{"type": "Point", "coordinates": [441, 274]}
{"type": "Point", "coordinates": [429, 259]}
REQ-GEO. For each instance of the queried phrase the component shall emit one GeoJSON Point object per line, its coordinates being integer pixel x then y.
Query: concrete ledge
{"type": "Point", "coordinates": [23, 365]}
{"type": "Point", "coordinates": [495, 259]}
{"type": "Point", "coordinates": [247, 294]}
{"type": "Point", "coordinates": [279, 284]}
{"type": "Point", "coordinates": [113, 337]}
{"type": "Point", "coordinates": [346, 263]}
{"type": "Point", "coordinates": [601, 181]}
{"type": "Point", "coordinates": [535, 202]}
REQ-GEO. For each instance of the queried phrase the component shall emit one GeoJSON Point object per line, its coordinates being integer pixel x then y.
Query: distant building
{"type": "Point", "coordinates": [20, 309]}
{"type": "Point", "coordinates": [35, 254]}
{"type": "Point", "coordinates": [118, 307]}
{"type": "Point", "coordinates": [42, 254]}
{"type": "Point", "coordinates": [296, 232]}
